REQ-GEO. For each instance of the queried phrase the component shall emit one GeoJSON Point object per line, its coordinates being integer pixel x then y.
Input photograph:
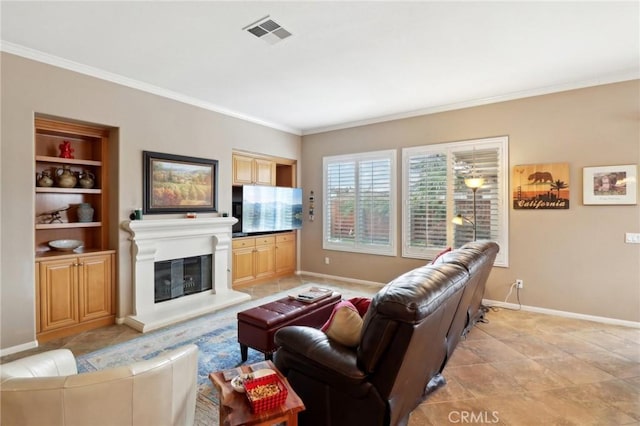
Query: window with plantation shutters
{"type": "Point", "coordinates": [359, 202]}
{"type": "Point", "coordinates": [434, 192]}
{"type": "Point", "coordinates": [427, 200]}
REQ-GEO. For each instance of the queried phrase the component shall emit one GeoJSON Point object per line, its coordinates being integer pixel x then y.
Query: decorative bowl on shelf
{"type": "Point", "coordinates": [65, 245]}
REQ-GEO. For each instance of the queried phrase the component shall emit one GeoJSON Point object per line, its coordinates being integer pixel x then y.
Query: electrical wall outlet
{"type": "Point", "coordinates": [519, 283]}
{"type": "Point", "coordinates": [326, 261]}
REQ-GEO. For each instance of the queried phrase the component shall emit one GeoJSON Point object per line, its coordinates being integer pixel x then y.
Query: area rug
{"type": "Point", "coordinates": [216, 337]}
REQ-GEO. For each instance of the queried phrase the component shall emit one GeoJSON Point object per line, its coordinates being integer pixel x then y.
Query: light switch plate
{"type": "Point", "coordinates": [632, 238]}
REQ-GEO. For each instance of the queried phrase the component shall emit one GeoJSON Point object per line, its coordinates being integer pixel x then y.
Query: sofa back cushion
{"type": "Point", "coordinates": [472, 261]}
{"type": "Point", "coordinates": [488, 251]}
{"type": "Point", "coordinates": [404, 330]}
{"type": "Point", "coordinates": [477, 258]}
{"type": "Point", "coordinates": [158, 391]}
{"type": "Point", "coordinates": [57, 362]}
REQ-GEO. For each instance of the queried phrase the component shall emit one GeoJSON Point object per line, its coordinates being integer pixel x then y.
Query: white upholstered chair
{"type": "Point", "coordinates": [46, 389]}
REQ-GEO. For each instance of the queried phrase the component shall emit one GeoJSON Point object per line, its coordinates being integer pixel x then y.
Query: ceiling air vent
{"type": "Point", "coordinates": [268, 30]}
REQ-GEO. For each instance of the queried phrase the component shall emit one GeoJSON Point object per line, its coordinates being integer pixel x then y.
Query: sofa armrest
{"type": "Point", "coordinates": [310, 350]}
{"type": "Point", "coordinates": [58, 362]}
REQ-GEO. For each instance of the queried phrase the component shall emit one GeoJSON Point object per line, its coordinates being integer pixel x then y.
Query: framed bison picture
{"type": "Point", "coordinates": [609, 185]}
{"type": "Point", "coordinates": [540, 186]}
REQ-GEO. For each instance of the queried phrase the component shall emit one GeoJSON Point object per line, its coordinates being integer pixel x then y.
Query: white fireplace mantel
{"type": "Point", "coordinates": [156, 240]}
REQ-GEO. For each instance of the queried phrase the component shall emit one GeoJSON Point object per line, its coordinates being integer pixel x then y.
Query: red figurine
{"type": "Point", "coordinates": [66, 150]}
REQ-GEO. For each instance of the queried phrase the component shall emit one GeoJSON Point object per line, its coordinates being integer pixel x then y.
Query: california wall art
{"type": "Point", "coordinates": [541, 186]}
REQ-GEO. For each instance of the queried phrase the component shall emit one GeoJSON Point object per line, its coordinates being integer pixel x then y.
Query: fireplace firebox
{"type": "Point", "coordinates": [180, 277]}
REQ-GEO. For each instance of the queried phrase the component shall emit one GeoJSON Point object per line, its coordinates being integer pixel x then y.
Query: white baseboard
{"type": "Point", "coordinates": [18, 348]}
{"type": "Point", "coordinates": [605, 320]}
{"type": "Point", "coordinates": [337, 278]}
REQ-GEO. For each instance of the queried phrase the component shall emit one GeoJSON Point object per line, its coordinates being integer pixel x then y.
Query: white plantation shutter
{"type": "Point", "coordinates": [485, 163]}
{"type": "Point", "coordinates": [340, 195]}
{"type": "Point", "coordinates": [427, 200]}
{"type": "Point", "coordinates": [434, 192]}
{"type": "Point", "coordinates": [359, 202]}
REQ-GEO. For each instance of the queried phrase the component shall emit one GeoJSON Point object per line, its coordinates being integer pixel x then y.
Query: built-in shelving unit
{"type": "Point", "coordinates": [89, 145]}
{"type": "Point", "coordinates": [75, 291]}
{"type": "Point", "coordinates": [58, 160]}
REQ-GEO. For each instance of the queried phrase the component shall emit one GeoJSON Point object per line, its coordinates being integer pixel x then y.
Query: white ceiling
{"type": "Point", "coordinates": [346, 63]}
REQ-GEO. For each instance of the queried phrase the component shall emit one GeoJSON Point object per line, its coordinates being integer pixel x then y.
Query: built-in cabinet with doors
{"type": "Point", "coordinates": [253, 171]}
{"type": "Point", "coordinates": [285, 253]}
{"type": "Point", "coordinates": [263, 257]}
{"type": "Point", "coordinates": [74, 292]}
{"type": "Point", "coordinates": [74, 287]}
{"type": "Point", "coordinates": [267, 256]}
{"type": "Point", "coordinates": [253, 258]}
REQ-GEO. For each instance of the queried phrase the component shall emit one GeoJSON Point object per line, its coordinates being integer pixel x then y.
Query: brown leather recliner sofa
{"type": "Point", "coordinates": [409, 333]}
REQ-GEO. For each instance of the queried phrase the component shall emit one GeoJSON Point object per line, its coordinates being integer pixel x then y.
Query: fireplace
{"type": "Point", "coordinates": [178, 277]}
{"type": "Point", "coordinates": [192, 258]}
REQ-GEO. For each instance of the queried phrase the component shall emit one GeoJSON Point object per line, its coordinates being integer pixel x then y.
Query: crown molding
{"type": "Point", "coordinates": [612, 78]}
{"type": "Point", "coordinates": [59, 62]}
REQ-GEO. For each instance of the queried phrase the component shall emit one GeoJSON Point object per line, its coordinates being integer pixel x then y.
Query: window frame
{"type": "Point", "coordinates": [500, 143]}
{"type": "Point", "coordinates": [358, 247]}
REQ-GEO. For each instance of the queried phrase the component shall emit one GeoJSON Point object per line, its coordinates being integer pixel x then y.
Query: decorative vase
{"type": "Point", "coordinates": [85, 212]}
{"type": "Point", "coordinates": [86, 179]}
{"type": "Point", "coordinates": [44, 179]}
{"type": "Point", "coordinates": [65, 150]}
{"type": "Point", "coordinates": [65, 177]}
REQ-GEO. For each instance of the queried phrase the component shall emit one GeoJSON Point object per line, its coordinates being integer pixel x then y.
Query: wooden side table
{"type": "Point", "coordinates": [235, 409]}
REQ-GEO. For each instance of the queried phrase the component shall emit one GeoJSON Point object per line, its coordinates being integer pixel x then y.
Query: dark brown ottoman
{"type": "Point", "coordinates": [256, 326]}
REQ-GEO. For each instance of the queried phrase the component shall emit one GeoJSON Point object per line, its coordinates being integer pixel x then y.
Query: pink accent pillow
{"type": "Point", "coordinates": [361, 304]}
{"type": "Point", "coordinates": [447, 250]}
{"type": "Point", "coordinates": [344, 324]}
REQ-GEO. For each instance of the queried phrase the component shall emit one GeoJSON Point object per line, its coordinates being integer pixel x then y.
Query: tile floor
{"type": "Point", "coordinates": [519, 368]}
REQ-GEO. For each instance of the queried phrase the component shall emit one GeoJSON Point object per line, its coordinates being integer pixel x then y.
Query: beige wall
{"type": "Point", "coordinates": [572, 260]}
{"type": "Point", "coordinates": [142, 121]}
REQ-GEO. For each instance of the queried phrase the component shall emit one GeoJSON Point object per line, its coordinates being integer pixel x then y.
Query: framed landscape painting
{"type": "Point", "coordinates": [610, 185]}
{"type": "Point", "coordinates": [179, 184]}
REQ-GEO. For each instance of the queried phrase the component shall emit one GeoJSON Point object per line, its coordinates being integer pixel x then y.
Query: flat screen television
{"type": "Point", "coordinates": [271, 208]}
